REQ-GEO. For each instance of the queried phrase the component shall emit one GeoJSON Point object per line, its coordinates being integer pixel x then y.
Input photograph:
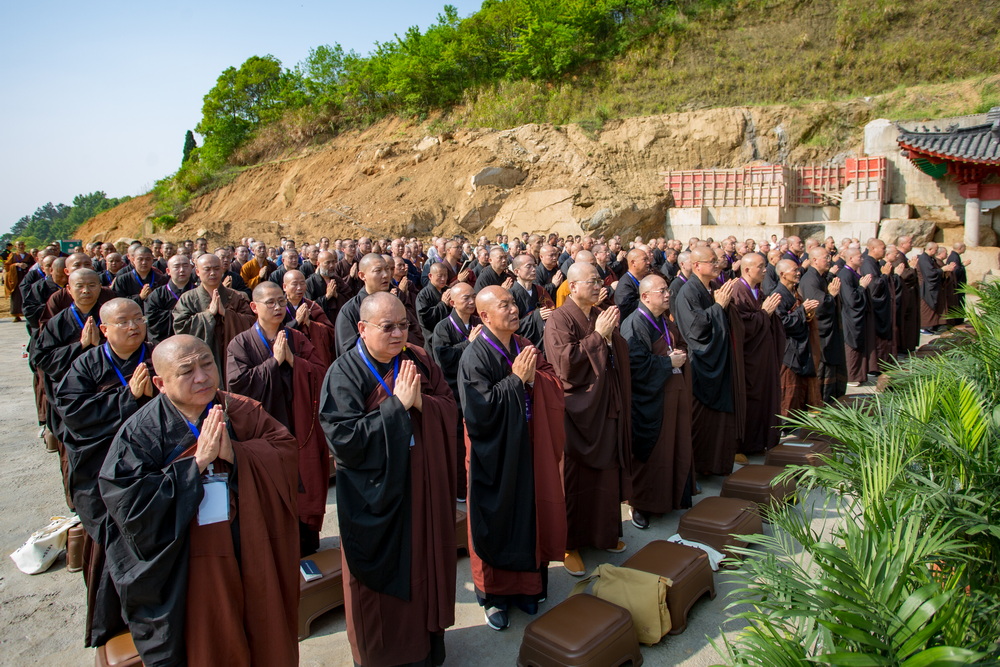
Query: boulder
{"type": "Point", "coordinates": [501, 177]}
{"type": "Point", "coordinates": [921, 230]}
{"type": "Point", "coordinates": [426, 142]}
{"type": "Point", "coordinates": [953, 235]}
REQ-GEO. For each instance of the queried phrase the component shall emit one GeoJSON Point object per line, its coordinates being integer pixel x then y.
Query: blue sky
{"type": "Point", "coordinates": [98, 96]}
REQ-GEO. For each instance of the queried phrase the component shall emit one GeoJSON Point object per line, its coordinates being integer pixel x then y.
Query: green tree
{"type": "Point", "coordinates": [189, 146]}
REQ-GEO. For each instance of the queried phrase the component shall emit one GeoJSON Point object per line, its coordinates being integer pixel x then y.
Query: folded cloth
{"type": "Point", "coordinates": [714, 557]}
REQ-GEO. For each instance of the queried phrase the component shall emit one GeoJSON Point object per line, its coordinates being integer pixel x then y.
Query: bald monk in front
{"type": "Point", "coordinates": [200, 487]}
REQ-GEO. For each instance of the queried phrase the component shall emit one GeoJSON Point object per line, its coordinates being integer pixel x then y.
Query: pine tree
{"type": "Point", "coordinates": [189, 145]}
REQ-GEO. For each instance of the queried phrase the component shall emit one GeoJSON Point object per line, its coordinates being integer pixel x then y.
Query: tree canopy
{"type": "Point", "coordinates": [51, 222]}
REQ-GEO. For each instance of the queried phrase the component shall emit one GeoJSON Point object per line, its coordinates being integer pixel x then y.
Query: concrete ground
{"type": "Point", "coordinates": [42, 616]}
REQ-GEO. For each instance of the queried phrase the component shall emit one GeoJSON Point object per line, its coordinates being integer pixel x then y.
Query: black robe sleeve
{"type": "Point", "coordinates": [650, 373]}
{"type": "Point", "coordinates": [704, 327]}
{"type": "Point", "coordinates": [797, 354]}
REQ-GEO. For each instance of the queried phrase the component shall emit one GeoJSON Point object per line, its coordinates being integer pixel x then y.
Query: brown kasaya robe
{"type": "Point", "coordinates": [191, 316]}
{"type": "Point", "coordinates": [758, 344]}
{"type": "Point", "coordinates": [290, 395]}
{"type": "Point", "coordinates": [12, 279]}
{"type": "Point", "coordinates": [597, 387]}
{"type": "Point", "coordinates": [319, 330]}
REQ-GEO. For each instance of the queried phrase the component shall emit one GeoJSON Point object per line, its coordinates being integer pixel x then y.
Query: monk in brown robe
{"type": "Point", "coordinates": [212, 311]}
{"type": "Point", "coordinates": [325, 288]}
{"type": "Point", "coordinates": [200, 487]}
{"type": "Point", "coordinates": [279, 367]}
{"type": "Point", "coordinates": [308, 317]}
{"type": "Point", "coordinates": [662, 458]}
{"type": "Point", "coordinates": [15, 269]}
{"type": "Point", "coordinates": [258, 268]}
{"type": "Point", "coordinates": [758, 343]}
{"type": "Point", "coordinates": [591, 359]}
{"type": "Point", "coordinates": [389, 418]}
{"type": "Point", "coordinates": [513, 405]}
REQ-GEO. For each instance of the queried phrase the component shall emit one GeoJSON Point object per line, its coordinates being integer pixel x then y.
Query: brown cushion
{"type": "Point", "coordinates": [120, 651]}
{"type": "Point", "coordinates": [757, 483]}
{"type": "Point", "coordinates": [798, 451]}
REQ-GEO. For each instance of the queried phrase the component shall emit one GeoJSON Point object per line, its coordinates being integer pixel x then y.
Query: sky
{"type": "Point", "coordinates": [99, 96]}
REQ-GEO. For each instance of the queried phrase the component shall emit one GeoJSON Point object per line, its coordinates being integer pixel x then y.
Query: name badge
{"type": "Point", "coordinates": [214, 505]}
{"type": "Point", "coordinates": [678, 371]}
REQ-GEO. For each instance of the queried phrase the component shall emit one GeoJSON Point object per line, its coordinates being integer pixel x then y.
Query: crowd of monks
{"type": "Point", "coordinates": [199, 400]}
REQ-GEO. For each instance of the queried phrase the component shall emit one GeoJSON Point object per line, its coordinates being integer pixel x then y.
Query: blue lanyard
{"type": "Point", "coordinates": [77, 315]}
{"type": "Point", "coordinates": [107, 353]}
{"type": "Point", "coordinates": [371, 367]}
{"type": "Point", "coordinates": [665, 332]}
{"type": "Point", "coordinates": [152, 277]}
{"type": "Point", "coordinates": [634, 279]}
{"type": "Point", "coordinates": [260, 332]}
{"type": "Point", "coordinates": [193, 427]}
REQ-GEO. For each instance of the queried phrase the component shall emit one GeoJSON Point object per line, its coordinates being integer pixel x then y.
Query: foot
{"type": "Point", "coordinates": [496, 618]}
{"type": "Point", "coordinates": [639, 519]}
{"type": "Point", "coordinates": [741, 459]}
{"type": "Point", "coordinates": [461, 500]}
{"type": "Point", "coordinates": [529, 608]}
{"type": "Point", "coordinates": [17, 319]}
{"type": "Point", "coordinates": [927, 332]}
{"type": "Point", "coordinates": [574, 564]}
{"type": "Point", "coordinates": [620, 547]}
{"type": "Point", "coordinates": [697, 489]}
{"type": "Point", "coordinates": [853, 384]}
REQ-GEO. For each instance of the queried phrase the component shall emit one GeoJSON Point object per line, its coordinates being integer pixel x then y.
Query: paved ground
{"type": "Point", "coordinates": [41, 617]}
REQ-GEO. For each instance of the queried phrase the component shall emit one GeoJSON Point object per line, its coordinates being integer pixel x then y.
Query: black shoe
{"type": "Point", "coordinates": [640, 520]}
{"type": "Point", "coordinates": [529, 608]}
{"type": "Point", "coordinates": [496, 618]}
{"type": "Point", "coordinates": [927, 332]}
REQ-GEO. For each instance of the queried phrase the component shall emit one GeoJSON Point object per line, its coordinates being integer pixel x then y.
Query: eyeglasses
{"type": "Point", "coordinates": [389, 328]}
{"type": "Point", "coordinates": [128, 324]}
{"type": "Point", "coordinates": [657, 291]}
{"type": "Point", "coordinates": [596, 282]}
{"type": "Point", "coordinates": [272, 303]}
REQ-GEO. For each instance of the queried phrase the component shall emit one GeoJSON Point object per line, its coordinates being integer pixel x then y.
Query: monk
{"type": "Point", "coordinates": [258, 268]}
{"type": "Point", "coordinates": [683, 275]}
{"type": "Point", "coordinates": [278, 366]}
{"type": "Point", "coordinates": [325, 288]}
{"type": "Point", "coordinates": [661, 467]}
{"type": "Point", "coordinates": [854, 316]}
{"type": "Point", "coordinates": [881, 305]}
{"type": "Point", "coordinates": [495, 273]}
{"type": "Point", "coordinates": [908, 313]}
{"type": "Point", "coordinates": [64, 338]}
{"type": "Point", "coordinates": [758, 344]}
{"type": "Point", "coordinates": [818, 284]}
{"type": "Point", "coordinates": [389, 419]}
{"type": "Point", "coordinates": [375, 274]}
{"type": "Point", "coordinates": [212, 311]}
{"type": "Point", "coordinates": [431, 304]}
{"type": "Point", "coordinates": [451, 337]}
{"type": "Point", "coordinates": [62, 298]}
{"type": "Point", "coordinates": [105, 386]}
{"type": "Point", "coordinates": [534, 305]}
{"type": "Point", "coordinates": [627, 292]}
{"type": "Point", "coordinates": [308, 317]}
{"type": "Point", "coordinates": [799, 385]}
{"type": "Point", "coordinates": [591, 359]}
{"type": "Point", "coordinates": [513, 405]}
{"type": "Point", "coordinates": [33, 303]}
{"type": "Point", "coordinates": [140, 282]}
{"type": "Point", "coordinates": [933, 297]}
{"type": "Point", "coordinates": [160, 303]}
{"type": "Point", "coordinates": [701, 318]}
{"type": "Point", "coordinates": [549, 274]}
{"type": "Point", "coordinates": [200, 487]}
{"type": "Point", "coordinates": [16, 267]}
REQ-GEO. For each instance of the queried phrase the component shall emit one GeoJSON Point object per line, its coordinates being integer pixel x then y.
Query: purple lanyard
{"type": "Point", "coordinates": [754, 290]}
{"type": "Point", "coordinates": [176, 295]}
{"type": "Point", "coordinates": [665, 332]}
{"type": "Point", "coordinates": [459, 329]}
{"type": "Point", "coordinates": [506, 357]}
{"type": "Point", "coordinates": [852, 270]}
{"type": "Point", "coordinates": [290, 311]}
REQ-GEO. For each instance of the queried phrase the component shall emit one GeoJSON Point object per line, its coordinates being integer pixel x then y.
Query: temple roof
{"type": "Point", "coordinates": [979, 144]}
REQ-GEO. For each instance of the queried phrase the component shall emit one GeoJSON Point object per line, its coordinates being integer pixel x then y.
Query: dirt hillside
{"type": "Point", "coordinates": [394, 179]}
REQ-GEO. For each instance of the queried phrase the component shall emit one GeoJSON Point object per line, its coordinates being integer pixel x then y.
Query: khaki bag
{"type": "Point", "coordinates": [644, 594]}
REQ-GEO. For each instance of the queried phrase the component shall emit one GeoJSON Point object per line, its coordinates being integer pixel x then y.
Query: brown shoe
{"type": "Point", "coordinates": [620, 547]}
{"type": "Point", "coordinates": [741, 459]}
{"type": "Point", "coordinates": [574, 564]}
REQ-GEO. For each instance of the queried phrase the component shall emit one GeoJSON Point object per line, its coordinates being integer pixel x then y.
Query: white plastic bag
{"type": "Point", "coordinates": [43, 547]}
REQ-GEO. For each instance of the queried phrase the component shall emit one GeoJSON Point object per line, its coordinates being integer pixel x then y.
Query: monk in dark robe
{"type": "Point", "coordinates": [534, 305]}
{"type": "Point", "coordinates": [702, 321]}
{"type": "Point", "coordinates": [881, 305]}
{"type": "Point", "coordinates": [431, 304]}
{"type": "Point", "coordinates": [818, 284]}
{"type": "Point", "coordinates": [549, 276]}
{"type": "Point", "coordinates": [513, 405]}
{"type": "Point", "coordinates": [375, 274]}
{"type": "Point", "coordinates": [160, 304]}
{"type": "Point", "coordinates": [64, 338]}
{"type": "Point", "coordinates": [61, 299]}
{"type": "Point", "coordinates": [683, 275]}
{"type": "Point", "coordinates": [325, 288]}
{"type": "Point", "coordinates": [799, 384]}
{"type": "Point", "coordinates": [495, 273]}
{"type": "Point", "coordinates": [758, 344]}
{"type": "Point", "coordinates": [407, 292]}
{"type": "Point", "coordinates": [308, 317]}
{"type": "Point", "coordinates": [33, 304]}
{"type": "Point", "coordinates": [212, 311]}
{"type": "Point", "coordinates": [347, 269]}
{"type": "Point", "coordinates": [662, 456]}
{"type": "Point", "coordinates": [854, 317]}
{"type": "Point", "coordinates": [961, 279]}
{"type": "Point", "coordinates": [770, 275]}
{"type": "Point", "coordinates": [138, 283]}
{"type": "Point", "coordinates": [450, 338]}
{"type": "Point", "coordinates": [933, 299]}
{"type": "Point", "coordinates": [389, 419]}
{"type": "Point", "coordinates": [591, 359]}
{"type": "Point", "coordinates": [105, 386]}
{"type": "Point", "coordinates": [627, 292]}
{"type": "Point", "coordinates": [280, 368]}
{"type": "Point", "coordinates": [908, 313]}
{"type": "Point", "coordinates": [16, 267]}
{"type": "Point", "coordinates": [200, 488]}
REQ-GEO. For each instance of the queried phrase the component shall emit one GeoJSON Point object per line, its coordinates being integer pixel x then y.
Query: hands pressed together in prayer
{"type": "Point", "coordinates": [476, 330]}
{"type": "Point", "coordinates": [865, 281]}
{"type": "Point", "coordinates": [141, 383]}
{"type": "Point", "coordinates": [227, 281]}
{"type": "Point", "coordinates": [524, 364]}
{"type": "Point", "coordinates": [724, 294]}
{"type": "Point", "coordinates": [145, 292]}
{"type": "Point", "coordinates": [771, 303]}
{"type": "Point", "coordinates": [810, 306]}
{"type": "Point", "coordinates": [281, 351]}
{"type": "Point", "coordinates": [543, 313]}
{"type": "Point", "coordinates": [407, 388]}
{"type": "Point", "coordinates": [214, 442]}
{"type": "Point", "coordinates": [949, 267]}
{"type": "Point", "coordinates": [216, 307]}
{"type": "Point", "coordinates": [606, 322]}
{"type": "Point", "coordinates": [331, 289]}
{"type": "Point", "coordinates": [91, 334]}
{"type": "Point", "coordinates": [557, 278]}
{"type": "Point", "coordinates": [463, 275]}
{"type": "Point", "coordinates": [507, 284]}
{"type": "Point", "coordinates": [886, 269]}
{"type": "Point", "coordinates": [678, 358]}
{"type": "Point", "coordinates": [302, 315]}
{"type": "Point", "coordinates": [834, 287]}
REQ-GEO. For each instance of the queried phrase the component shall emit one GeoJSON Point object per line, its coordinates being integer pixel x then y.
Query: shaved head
{"type": "Point", "coordinates": [292, 275]}
{"type": "Point", "coordinates": [702, 254]}
{"type": "Point", "coordinates": [584, 256]}
{"type": "Point", "coordinates": [581, 272]}
{"type": "Point", "coordinates": [488, 296]}
{"type": "Point", "coordinates": [382, 305]}
{"type": "Point", "coordinates": [785, 265]}
{"type": "Point", "coordinates": [752, 259]}
{"type": "Point", "coordinates": [120, 306]}
{"type": "Point", "coordinates": [370, 261]}
{"type": "Point", "coordinates": [651, 282]}
{"type": "Point", "coordinates": [264, 289]}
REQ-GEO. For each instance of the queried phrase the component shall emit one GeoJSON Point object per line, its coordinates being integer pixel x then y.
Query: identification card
{"type": "Point", "coordinates": [678, 371]}
{"type": "Point", "coordinates": [214, 505]}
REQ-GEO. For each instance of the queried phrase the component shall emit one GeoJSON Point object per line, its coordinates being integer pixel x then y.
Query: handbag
{"type": "Point", "coordinates": [41, 549]}
{"type": "Point", "coordinates": [644, 594]}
